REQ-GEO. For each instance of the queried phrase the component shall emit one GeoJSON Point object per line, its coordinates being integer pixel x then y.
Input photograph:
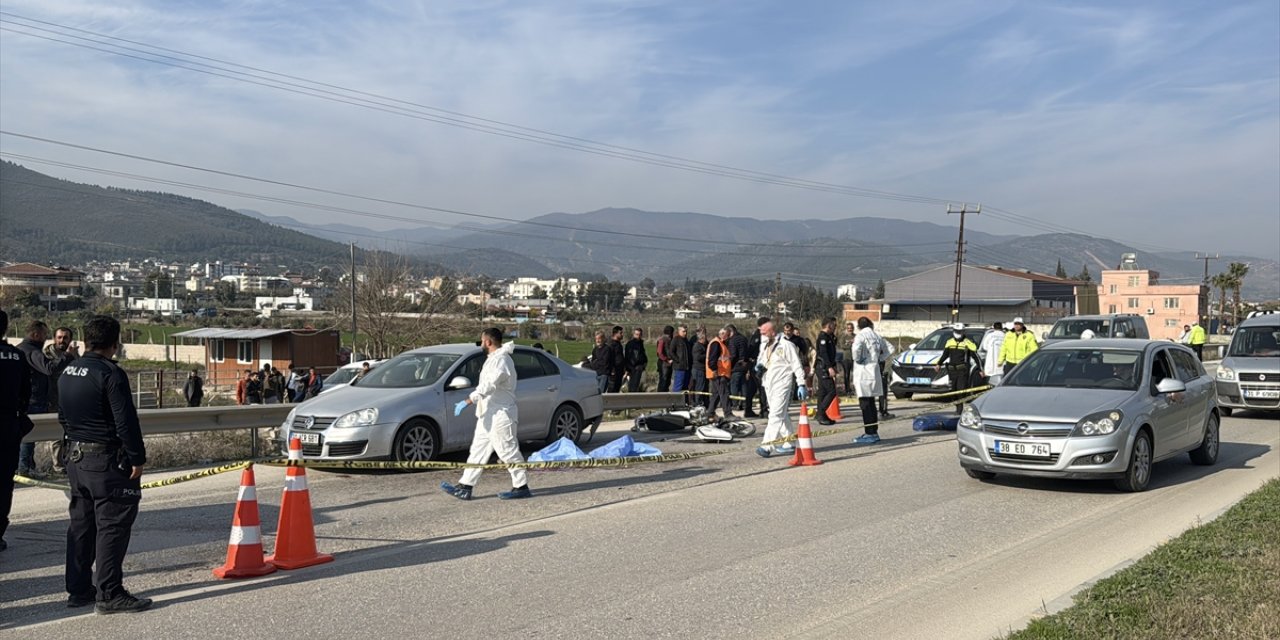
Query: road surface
{"type": "Point", "coordinates": [888, 542]}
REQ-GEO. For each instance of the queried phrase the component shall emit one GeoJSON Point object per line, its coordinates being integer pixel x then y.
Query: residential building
{"type": "Point", "coordinates": [52, 284]}
{"type": "Point", "coordinates": [231, 351]}
{"type": "Point", "coordinates": [1167, 307]}
{"type": "Point", "coordinates": [847, 290]}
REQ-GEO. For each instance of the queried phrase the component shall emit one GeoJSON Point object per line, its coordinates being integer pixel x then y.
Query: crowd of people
{"type": "Point", "coordinates": [270, 386]}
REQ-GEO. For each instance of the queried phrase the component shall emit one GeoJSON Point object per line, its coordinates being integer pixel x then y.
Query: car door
{"type": "Point", "coordinates": [1169, 410]}
{"type": "Point", "coordinates": [460, 429]}
{"type": "Point", "coordinates": [534, 393]}
{"type": "Point", "coordinates": [1198, 396]}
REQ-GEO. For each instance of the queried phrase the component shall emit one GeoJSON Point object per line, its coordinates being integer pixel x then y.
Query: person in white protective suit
{"type": "Point", "coordinates": [991, 343]}
{"type": "Point", "coordinates": [867, 382]}
{"type": "Point", "coordinates": [496, 420]}
{"type": "Point", "coordinates": [778, 365]}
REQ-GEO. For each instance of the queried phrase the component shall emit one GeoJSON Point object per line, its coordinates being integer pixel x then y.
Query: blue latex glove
{"type": "Point", "coordinates": [759, 369]}
{"type": "Point", "coordinates": [802, 392]}
{"type": "Point", "coordinates": [457, 408]}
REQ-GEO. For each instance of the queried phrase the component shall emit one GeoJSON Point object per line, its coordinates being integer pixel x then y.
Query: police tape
{"type": "Point", "coordinates": [438, 465]}
{"type": "Point", "coordinates": [154, 484]}
{"type": "Point", "coordinates": [923, 409]}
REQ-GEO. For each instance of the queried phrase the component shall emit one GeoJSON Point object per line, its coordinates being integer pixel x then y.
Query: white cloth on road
{"type": "Point", "coordinates": [497, 417]}
{"type": "Point", "coordinates": [782, 367]}
{"type": "Point", "coordinates": [867, 382]}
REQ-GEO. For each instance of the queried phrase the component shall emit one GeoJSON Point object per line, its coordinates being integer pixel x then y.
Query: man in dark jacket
{"type": "Point", "coordinates": [617, 363]}
{"type": "Point", "coordinates": [824, 367]}
{"type": "Point", "coordinates": [599, 362]}
{"type": "Point", "coordinates": [193, 389]}
{"type": "Point", "coordinates": [663, 347]}
{"type": "Point", "coordinates": [253, 389]}
{"type": "Point", "coordinates": [15, 393]}
{"type": "Point", "coordinates": [635, 360]}
{"type": "Point", "coordinates": [739, 347]}
{"type": "Point", "coordinates": [698, 373]}
{"type": "Point", "coordinates": [754, 387]}
{"type": "Point", "coordinates": [43, 369]}
{"type": "Point", "coordinates": [681, 359]}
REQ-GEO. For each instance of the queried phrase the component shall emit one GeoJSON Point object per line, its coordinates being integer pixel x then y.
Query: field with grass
{"type": "Point", "coordinates": [1218, 580]}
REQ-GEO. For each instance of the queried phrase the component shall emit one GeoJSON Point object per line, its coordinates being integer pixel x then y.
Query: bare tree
{"type": "Point", "coordinates": [393, 310]}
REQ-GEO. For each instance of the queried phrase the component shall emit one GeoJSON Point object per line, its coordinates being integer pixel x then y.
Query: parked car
{"type": "Point", "coordinates": [1112, 325]}
{"type": "Point", "coordinates": [1249, 375]}
{"type": "Point", "coordinates": [912, 370]}
{"type": "Point", "coordinates": [1091, 409]}
{"type": "Point", "coordinates": [403, 410]}
{"type": "Point", "coordinates": [342, 378]}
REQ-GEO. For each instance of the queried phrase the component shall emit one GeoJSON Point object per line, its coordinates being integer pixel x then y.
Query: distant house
{"type": "Point", "coordinates": [52, 284]}
{"type": "Point", "coordinates": [1167, 307]}
{"type": "Point", "coordinates": [231, 351]}
{"type": "Point", "coordinates": [987, 294]}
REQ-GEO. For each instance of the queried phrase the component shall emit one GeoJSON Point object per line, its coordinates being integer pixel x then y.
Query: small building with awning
{"type": "Point", "coordinates": [231, 351]}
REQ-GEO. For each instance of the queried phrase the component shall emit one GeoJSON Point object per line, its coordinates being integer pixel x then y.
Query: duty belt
{"type": "Point", "coordinates": [94, 447]}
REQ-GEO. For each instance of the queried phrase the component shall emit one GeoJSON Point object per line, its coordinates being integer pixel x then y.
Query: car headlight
{"type": "Point", "coordinates": [970, 419]}
{"type": "Point", "coordinates": [1225, 373]}
{"type": "Point", "coordinates": [288, 421]}
{"type": "Point", "coordinates": [1099, 424]}
{"type": "Point", "coordinates": [361, 418]}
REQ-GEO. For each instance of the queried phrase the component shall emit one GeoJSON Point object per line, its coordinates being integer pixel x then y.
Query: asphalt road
{"type": "Point", "coordinates": [888, 542]}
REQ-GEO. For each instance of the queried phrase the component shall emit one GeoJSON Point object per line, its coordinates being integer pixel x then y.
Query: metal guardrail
{"type": "Point", "coordinates": [189, 419]}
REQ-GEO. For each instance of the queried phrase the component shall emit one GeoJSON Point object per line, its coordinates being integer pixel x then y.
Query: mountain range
{"type": "Point", "coordinates": [46, 219]}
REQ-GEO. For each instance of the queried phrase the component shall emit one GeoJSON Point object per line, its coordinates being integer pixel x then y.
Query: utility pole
{"type": "Point", "coordinates": [955, 297]}
{"type": "Point", "coordinates": [777, 292]}
{"type": "Point", "coordinates": [1204, 292]}
{"type": "Point", "coordinates": [1206, 257]}
{"type": "Point", "coordinates": [353, 301]}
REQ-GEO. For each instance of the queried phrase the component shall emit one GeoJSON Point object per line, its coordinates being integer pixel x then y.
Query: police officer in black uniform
{"type": "Point", "coordinates": [960, 357]}
{"type": "Point", "coordinates": [105, 455]}
{"type": "Point", "coordinates": [15, 391]}
{"type": "Point", "coordinates": [824, 367]}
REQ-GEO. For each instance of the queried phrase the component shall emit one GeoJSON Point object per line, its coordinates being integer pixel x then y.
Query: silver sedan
{"type": "Point", "coordinates": [1093, 409]}
{"type": "Point", "coordinates": [403, 410]}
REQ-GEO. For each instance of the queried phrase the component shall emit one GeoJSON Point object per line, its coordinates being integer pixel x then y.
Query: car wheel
{"type": "Point", "coordinates": [1207, 453]}
{"type": "Point", "coordinates": [1138, 475]}
{"type": "Point", "coordinates": [902, 395]}
{"type": "Point", "coordinates": [566, 422]}
{"type": "Point", "coordinates": [417, 441]}
{"type": "Point", "coordinates": [978, 474]}
{"type": "Point", "coordinates": [1226, 411]}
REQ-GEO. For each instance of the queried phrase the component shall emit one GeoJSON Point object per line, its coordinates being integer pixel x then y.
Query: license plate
{"type": "Point", "coordinates": [919, 380]}
{"type": "Point", "coordinates": [1032, 449]}
{"type": "Point", "coordinates": [1267, 394]}
{"type": "Point", "coordinates": [307, 438]}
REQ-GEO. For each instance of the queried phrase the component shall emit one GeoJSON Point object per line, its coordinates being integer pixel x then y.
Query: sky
{"type": "Point", "coordinates": [1152, 123]}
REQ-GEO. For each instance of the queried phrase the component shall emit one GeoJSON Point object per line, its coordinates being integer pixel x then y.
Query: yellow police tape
{"type": "Point", "coordinates": [593, 463]}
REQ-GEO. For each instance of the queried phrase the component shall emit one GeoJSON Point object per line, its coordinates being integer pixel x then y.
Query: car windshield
{"type": "Point", "coordinates": [410, 370]}
{"type": "Point", "coordinates": [938, 339]}
{"type": "Point", "coordinates": [1255, 342]}
{"type": "Point", "coordinates": [1071, 329]}
{"type": "Point", "coordinates": [341, 376]}
{"type": "Point", "coordinates": [1078, 369]}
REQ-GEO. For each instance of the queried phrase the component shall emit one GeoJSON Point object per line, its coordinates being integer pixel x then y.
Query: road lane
{"type": "Point", "coordinates": [889, 542]}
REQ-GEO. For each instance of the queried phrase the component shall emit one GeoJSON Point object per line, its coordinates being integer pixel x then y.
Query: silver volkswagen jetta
{"type": "Point", "coordinates": [403, 409]}
{"type": "Point", "coordinates": [1093, 409]}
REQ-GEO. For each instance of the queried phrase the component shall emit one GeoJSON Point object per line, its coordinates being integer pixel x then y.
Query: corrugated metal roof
{"type": "Point", "coordinates": [230, 334]}
{"type": "Point", "coordinates": [1003, 302]}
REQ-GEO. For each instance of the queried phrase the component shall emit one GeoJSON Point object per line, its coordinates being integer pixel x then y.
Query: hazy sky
{"type": "Point", "coordinates": [1148, 122]}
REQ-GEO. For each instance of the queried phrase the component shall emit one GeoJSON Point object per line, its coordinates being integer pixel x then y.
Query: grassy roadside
{"type": "Point", "coordinates": [1218, 580]}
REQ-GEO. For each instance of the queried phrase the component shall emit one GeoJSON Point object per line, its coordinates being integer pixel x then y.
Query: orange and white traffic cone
{"type": "Point", "coordinates": [296, 534]}
{"type": "Point", "coordinates": [244, 553]}
{"type": "Point", "coordinates": [804, 446]}
{"type": "Point", "coordinates": [833, 410]}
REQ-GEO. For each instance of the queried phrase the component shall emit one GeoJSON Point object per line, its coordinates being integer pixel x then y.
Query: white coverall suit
{"type": "Point", "coordinates": [991, 344]}
{"type": "Point", "coordinates": [782, 368]}
{"type": "Point", "coordinates": [496, 417]}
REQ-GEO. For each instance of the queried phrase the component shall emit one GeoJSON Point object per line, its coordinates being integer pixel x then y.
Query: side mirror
{"type": "Point", "coordinates": [912, 346]}
{"type": "Point", "coordinates": [1170, 385]}
{"type": "Point", "coordinates": [459, 382]}
{"type": "Point", "coordinates": [1044, 335]}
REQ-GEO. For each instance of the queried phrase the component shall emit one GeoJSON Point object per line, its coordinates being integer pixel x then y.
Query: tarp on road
{"type": "Point", "coordinates": [562, 449]}
{"type": "Point", "coordinates": [625, 447]}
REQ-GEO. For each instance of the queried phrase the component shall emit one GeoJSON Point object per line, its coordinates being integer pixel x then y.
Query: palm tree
{"type": "Point", "coordinates": [1237, 270]}
{"type": "Point", "coordinates": [1221, 282]}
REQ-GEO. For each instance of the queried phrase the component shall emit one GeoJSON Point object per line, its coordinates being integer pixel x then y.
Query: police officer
{"type": "Point", "coordinates": [105, 456]}
{"type": "Point", "coordinates": [15, 391]}
{"type": "Point", "coordinates": [824, 368]}
{"type": "Point", "coordinates": [960, 357]}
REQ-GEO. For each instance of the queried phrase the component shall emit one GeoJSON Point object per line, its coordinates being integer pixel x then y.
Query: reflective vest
{"type": "Point", "coordinates": [724, 365]}
{"type": "Point", "coordinates": [954, 353]}
{"type": "Point", "coordinates": [1017, 346]}
{"type": "Point", "coordinates": [1197, 335]}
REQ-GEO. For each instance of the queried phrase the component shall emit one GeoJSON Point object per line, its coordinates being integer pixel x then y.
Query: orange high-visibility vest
{"type": "Point", "coordinates": [724, 365]}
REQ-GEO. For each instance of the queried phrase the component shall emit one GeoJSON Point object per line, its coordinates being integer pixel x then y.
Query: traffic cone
{"type": "Point", "coordinates": [244, 552]}
{"type": "Point", "coordinates": [296, 535]}
{"type": "Point", "coordinates": [804, 447]}
{"type": "Point", "coordinates": [833, 410]}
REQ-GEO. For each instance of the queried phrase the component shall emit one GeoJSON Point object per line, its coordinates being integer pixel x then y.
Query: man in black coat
{"type": "Point", "coordinates": [15, 392]}
{"type": "Point", "coordinates": [681, 359]}
{"type": "Point", "coordinates": [43, 369]}
{"type": "Point", "coordinates": [617, 364]}
{"type": "Point", "coordinates": [193, 390]}
{"type": "Point", "coordinates": [635, 360]}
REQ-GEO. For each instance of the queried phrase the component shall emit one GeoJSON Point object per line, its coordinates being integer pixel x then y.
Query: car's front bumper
{"type": "Point", "coordinates": [1245, 395]}
{"type": "Point", "coordinates": [1070, 457]}
{"type": "Point", "coordinates": [348, 443]}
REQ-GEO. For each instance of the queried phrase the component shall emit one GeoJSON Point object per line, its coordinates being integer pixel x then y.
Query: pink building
{"type": "Point", "coordinates": [1166, 307]}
